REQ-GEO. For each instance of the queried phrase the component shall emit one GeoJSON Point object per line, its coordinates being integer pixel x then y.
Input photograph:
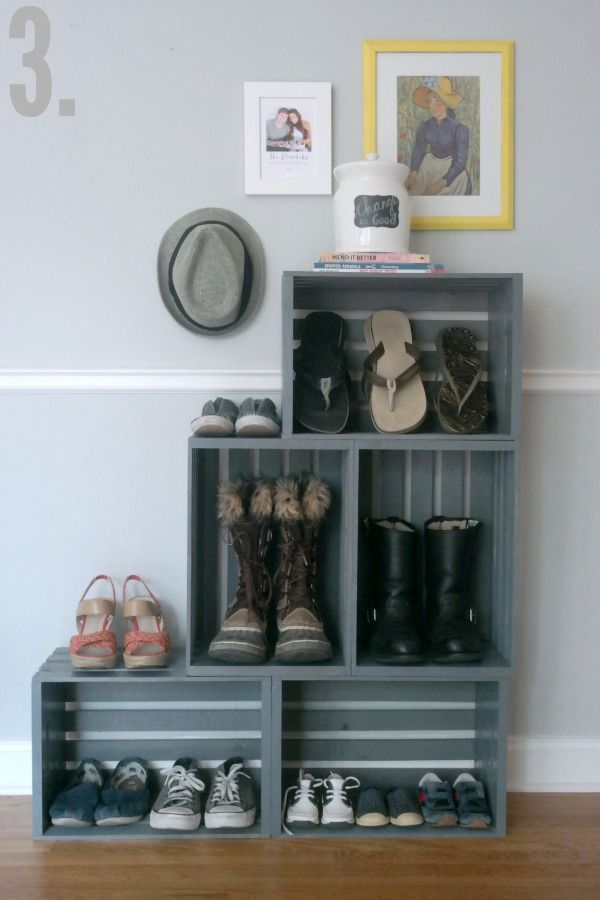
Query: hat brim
{"type": "Point", "coordinates": [421, 97]}
{"type": "Point", "coordinates": [254, 266]}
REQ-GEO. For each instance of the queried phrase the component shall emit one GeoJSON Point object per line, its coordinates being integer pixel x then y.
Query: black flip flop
{"type": "Point", "coordinates": [321, 401]}
{"type": "Point", "coordinates": [462, 403]}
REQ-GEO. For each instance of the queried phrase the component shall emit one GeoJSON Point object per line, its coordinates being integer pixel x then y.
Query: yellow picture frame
{"type": "Point", "coordinates": [501, 213]}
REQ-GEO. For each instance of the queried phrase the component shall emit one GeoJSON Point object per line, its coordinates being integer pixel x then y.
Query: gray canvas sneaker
{"type": "Point", "coordinates": [231, 802]}
{"type": "Point", "coordinates": [218, 418]}
{"type": "Point", "coordinates": [177, 807]}
{"type": "Point", "coordinates": [258, 417]}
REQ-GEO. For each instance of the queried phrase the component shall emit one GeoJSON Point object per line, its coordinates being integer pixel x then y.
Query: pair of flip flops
{"type": "Point", "coordinates": [393, 384]}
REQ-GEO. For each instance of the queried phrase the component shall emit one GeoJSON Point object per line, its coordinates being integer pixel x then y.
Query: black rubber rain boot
{"type": "Point", "coordinates": [396, 638]}
{"type": "Point", "coordinates": [450, 554]}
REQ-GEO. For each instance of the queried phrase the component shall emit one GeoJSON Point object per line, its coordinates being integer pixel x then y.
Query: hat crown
{"type": "Point", "coordinates": [211, 270]}
{"type": "Point", "coordinates": [208, 275]}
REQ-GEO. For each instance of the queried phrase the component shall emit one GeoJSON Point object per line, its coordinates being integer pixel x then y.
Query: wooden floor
{"type": "Point", "coordinates": [552, 851]}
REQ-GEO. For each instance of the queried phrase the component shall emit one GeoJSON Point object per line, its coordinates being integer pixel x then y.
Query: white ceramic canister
{"type": "Point", "coordinates": [371, 206]}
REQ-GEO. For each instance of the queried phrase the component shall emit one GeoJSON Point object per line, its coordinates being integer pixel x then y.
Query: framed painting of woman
{"type": "Point", "coordinates": [453, 130]}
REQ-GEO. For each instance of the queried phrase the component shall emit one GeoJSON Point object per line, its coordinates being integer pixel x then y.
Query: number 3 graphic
{"type": "Point", "coordinates": [33, 59]}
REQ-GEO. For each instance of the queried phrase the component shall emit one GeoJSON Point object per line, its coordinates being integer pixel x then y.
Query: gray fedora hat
{"type": "Point", "coordinates": [211, 270]}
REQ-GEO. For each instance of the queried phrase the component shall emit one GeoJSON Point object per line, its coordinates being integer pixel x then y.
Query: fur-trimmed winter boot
{"type": "Point", "coordinates": [246, 509]}
{"type": "Point", "coordinates": [299, 507]}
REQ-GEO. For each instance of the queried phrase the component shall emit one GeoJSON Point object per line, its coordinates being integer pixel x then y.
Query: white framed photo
{"type": "Point", "coordinates": [287, 127]}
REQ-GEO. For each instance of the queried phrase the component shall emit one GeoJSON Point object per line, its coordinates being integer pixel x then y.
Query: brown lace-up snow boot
{"type": "Point", "coordinates": [246, 510]}
{"type": "Point", "coordinates": [299, 508]}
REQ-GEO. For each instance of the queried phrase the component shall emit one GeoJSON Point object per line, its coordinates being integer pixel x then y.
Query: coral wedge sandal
{"type": "Point", "coordinates": [147, 644]}
{"type": "Point", "coordinates": [95, 646]}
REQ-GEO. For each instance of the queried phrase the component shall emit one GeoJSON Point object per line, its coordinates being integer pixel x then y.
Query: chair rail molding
{"type": "Point", "coordinates": [535, 381]}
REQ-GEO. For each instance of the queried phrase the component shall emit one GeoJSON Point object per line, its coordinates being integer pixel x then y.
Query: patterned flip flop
{"type": "Point", "coordinates": [462, 403]}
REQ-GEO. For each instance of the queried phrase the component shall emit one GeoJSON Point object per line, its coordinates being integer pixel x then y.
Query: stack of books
{"type": "Point", "coordinates": [392, 263]}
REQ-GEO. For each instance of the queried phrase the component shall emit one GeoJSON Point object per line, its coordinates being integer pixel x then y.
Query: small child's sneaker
{"type": "Point", "coordinates": [404, 809]}
{"type": "Point", "coordinates": [302, 811]}
{"type": "Point", "coordinates": [471, 805]}
{"type": "Point", "coordinates": [337, 807]}
{"type": "Point", "coordinates": [371, 809]}
{"type": "Point", "coordinates": [436, 801]}
{"type": "Point", "coordinates": [218, 418]}
{"type": "Point", "coordinates": [258, 417]}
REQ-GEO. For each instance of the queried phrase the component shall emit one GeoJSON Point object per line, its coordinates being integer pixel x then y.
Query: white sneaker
{"type": "Point", "coordinates": [303, 809]}
{"type": "Point", "coordinates": [337, 808]}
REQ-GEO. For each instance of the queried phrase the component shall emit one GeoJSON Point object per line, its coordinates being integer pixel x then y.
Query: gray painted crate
{"type": "Point", "coordinates": [387, 724]}
{"type": "Point", "coordinates": [212, 565]}
{"type": "Point", "coordinates": [389, 734]}
{"type": "Point", "coordinates": [158, 715]}
{"type": "Point", "coordinates": [489, 305]}
{"type": "Point", "coordinates": [422, 478]}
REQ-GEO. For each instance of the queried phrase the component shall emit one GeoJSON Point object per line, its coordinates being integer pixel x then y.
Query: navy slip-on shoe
{"type": "Point", "coordinates": [75, 805]}
{"type": "Point", "coordinates": [126, 798]}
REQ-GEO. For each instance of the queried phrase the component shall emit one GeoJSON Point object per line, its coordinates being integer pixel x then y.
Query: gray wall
{"type": "Point", "coordinates": [95, 481]}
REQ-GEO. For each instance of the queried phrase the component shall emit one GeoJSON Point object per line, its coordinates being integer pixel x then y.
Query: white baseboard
{"type": "Point", "coordinates": [569, 764]}
{"type": "Point", "coordinates": [534, 764]}
{"type": "Point", "coordinates": [15, 767]}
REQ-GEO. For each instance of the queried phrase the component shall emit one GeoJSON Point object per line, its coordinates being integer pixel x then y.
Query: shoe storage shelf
{"type": "Point", "coordinates": [158, 715]}
{"type": "Point", "coordinates": [389, 734]}
{"type": "Point", "coordinates": [213, 573]}
{"type": "Point", "coordinates": [386, 724]}
{"type": "Point", "coordinates": [414, 479]}
{"type": "Point", "coordinates": [488, 305]}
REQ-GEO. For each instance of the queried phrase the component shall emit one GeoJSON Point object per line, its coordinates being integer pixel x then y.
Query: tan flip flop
{"type": "Point", "coordinates": [391, 378]}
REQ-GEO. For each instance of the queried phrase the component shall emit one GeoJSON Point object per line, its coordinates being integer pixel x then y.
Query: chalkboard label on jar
{"type": "Point", "coordinates": [376, 211]}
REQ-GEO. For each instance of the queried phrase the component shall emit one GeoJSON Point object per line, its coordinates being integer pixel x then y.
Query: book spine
{"type": "Point", "coordinates": [405, 257]}
{"type": "Point", "coordinates": [381, 266]}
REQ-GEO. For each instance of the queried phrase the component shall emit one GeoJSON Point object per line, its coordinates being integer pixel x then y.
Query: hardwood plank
{"type": "Point", "coordinates": [552, 851]}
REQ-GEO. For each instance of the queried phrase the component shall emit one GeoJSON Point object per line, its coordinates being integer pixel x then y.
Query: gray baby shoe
{"type": "Point", "coordinates": [218, 418]}
{"type": "Point", "coordinates": [258, 417]}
